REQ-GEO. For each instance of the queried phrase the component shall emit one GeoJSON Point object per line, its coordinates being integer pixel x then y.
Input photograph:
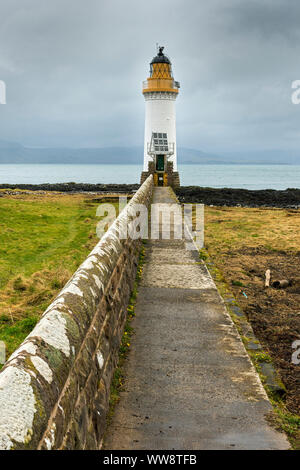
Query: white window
{"type": "Point", "coordinates": [160, 142]}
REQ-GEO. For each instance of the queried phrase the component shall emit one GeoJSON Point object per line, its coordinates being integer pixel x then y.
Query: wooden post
{"type": "Point", "coordinates": [268, 277]}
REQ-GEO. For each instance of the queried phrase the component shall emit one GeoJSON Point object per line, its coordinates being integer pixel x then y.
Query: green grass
{"type": "Point", "coordinates": [43, 239]}
{"type": "Point", "coordinates": [36, 234]}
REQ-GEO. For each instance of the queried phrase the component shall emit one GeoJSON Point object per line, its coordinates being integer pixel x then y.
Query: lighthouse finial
{"type": "Point", "coordinates": [161, 48]}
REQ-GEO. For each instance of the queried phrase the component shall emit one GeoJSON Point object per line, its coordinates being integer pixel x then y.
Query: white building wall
{"type": "Point", "coordinates": [160, 117]}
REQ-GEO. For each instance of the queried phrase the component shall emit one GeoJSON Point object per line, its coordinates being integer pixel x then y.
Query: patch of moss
{"type": "Point", "coordinates": [237, 283]}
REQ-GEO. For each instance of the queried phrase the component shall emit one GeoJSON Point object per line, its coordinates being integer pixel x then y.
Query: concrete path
{"type": "Point", "coordinates": [189, 381]}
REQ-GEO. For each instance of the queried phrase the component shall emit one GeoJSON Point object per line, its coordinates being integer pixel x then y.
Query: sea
{"type": "Point", "coordinates": [214, 176]}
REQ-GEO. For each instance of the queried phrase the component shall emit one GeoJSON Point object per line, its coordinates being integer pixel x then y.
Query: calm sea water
{"type": "Point", "coordinates": [215, 176]}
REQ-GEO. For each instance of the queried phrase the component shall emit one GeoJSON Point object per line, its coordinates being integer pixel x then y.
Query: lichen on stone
{"type": "Point", "coordinates": [17, 407]}
{"type": "Point", "coordinates": [52, 329]}
{"type": "Point", "coordinates": [43, 368]}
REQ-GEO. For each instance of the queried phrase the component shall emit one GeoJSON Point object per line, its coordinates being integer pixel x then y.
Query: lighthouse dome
{"type": "Point", "coordinates": [161, 58]}
{"type": "Point", "coordinates": [161, 76]}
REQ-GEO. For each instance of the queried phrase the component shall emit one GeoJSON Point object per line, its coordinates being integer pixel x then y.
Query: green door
{"type": "Point", "coordinates": [160, 163]}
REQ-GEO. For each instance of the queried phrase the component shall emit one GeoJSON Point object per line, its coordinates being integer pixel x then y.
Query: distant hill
{"type": "Point", "coordinates": [12, 152]}
{"type": "Point", "coordinates": [18, 154]}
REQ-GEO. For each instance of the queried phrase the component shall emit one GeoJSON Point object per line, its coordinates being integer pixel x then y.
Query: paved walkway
{"type": "Point", "coordinates": [189, 381]}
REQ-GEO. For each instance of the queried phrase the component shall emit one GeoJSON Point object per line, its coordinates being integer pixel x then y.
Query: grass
{"type": "Point", "coordinates": [229, 227]}
{"type": "Point", "coordinates": [43, 239]}
{"type": "Point", "coordinates": [282, 420]}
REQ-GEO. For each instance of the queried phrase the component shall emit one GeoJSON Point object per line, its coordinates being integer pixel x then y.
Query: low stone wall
{"type": "Point", "coordinates": [54, 389]}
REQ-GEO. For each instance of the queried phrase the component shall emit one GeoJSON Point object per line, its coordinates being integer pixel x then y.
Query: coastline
{"type": "Point", "coordinates": [231, 197]}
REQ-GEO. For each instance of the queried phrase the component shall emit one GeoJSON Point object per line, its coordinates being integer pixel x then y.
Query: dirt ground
{"type": "Point", "coordinates": [244, 243]}
{"type": "Point", "coordinates": [273, 313]}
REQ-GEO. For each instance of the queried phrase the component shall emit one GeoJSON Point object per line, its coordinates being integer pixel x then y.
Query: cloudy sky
{"type": "Point", "coordinates": [73, 71]}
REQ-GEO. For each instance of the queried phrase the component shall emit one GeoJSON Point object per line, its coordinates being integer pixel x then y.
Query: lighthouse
{"type": "Point", "coordinates": [160, 91]}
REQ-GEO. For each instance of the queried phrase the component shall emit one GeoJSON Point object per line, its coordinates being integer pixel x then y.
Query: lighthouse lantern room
{"type": "Point", "coordinates": [160, 154]}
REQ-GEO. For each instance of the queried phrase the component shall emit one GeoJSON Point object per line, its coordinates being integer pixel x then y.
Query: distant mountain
{"type": "Point", "coordinates": [266, 157]}
{"type": "Point", "coordinates": [12, 152]}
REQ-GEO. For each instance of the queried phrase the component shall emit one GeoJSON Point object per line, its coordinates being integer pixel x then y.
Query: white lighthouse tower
{"type": "Point", "coordinates": [160, 154]}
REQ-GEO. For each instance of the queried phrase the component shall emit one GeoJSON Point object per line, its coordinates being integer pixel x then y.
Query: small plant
{"type": "Point", "coordinates": [237, 283]}
{"type": "Point", "coordinates": [55, 284]}
{"type": "Point", "coordinates": [4, 318]}
{"type": "Point", "coordinates": [203, 255]}
{"type": "Point", "coordinates": [262, 357]}
{"type": "Point", "coordinates": [287, 422]}
{"type": "Point", "coordinates": [19, 284]}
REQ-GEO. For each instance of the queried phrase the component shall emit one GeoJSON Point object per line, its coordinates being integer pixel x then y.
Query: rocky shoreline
{"type": "Point", "coordinates": [74, 187]}
{"type": "Point", "coordinates": [288, 198]}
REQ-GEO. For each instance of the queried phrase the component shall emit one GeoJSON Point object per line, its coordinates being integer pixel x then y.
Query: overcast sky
{"type": "Point", "coordinates": [74, 71]}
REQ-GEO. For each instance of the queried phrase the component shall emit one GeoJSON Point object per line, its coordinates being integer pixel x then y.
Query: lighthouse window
{"type": "Point", "coordinates": [160, 142]}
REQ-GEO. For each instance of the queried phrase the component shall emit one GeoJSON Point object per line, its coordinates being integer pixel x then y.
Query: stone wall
{"type": "Point", "coordinates": [54, 389]}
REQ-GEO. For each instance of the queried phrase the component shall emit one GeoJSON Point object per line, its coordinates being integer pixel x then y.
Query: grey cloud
{"type": "Point", "coordinates": [268, 19]}
{"type": "Point", "coordinates": [74, 69]}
